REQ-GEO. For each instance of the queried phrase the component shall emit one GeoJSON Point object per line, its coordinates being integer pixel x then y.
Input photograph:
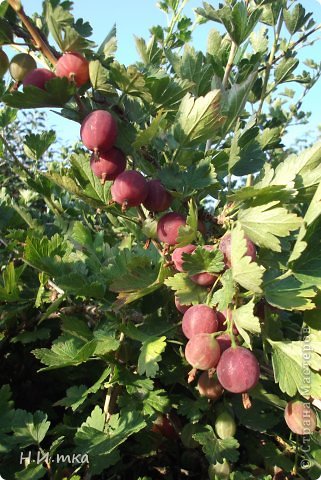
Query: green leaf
{"type": "Point", "coordinates": [37, 251]}
{"type": "Point", "coordinates": [246, 321]}
{"type": "Point", "coordinates": [188, 232]}
{"type": "Point", "coordinates": [237, 20]}
{"type": "Point", "coordinates": [150, 53]}
{"type": "Point", "coordinates": [81, 182]}
{"type": "Point", "coordinates": [65, 351]}
{"type": "Point", "coordinates": [6, 410]}
{"type": "Point", "coordinates": [242, 23]}
{"type": "Point", "coordinates": [30, 429]}
{"type": "Point", "coordinates": [224, 296]}
{"type": "Point", "coordinates": [150, 356]}
{"type": "Point", "coordinates": [296, 18]}
{"type": "Point", "coordinates": [82, 235]}
{"type": "Point", "coordinates": [289, 294]}
{"type": "Point", "coordinates": [270, 138]}
{"type": "Point", "coordinates": [10, 292]}
{"type": "Point", "coordinates": [203, 260]}
{"type": "Point", "coordinates": [7, 115]}
{"type": "Point", "coordinates": [109, 46]}
{"type": "Point", "coordinates": [191, 66]}
{"type": "Point", "coordinates": [166, 92]}
{"type": "Point", "coordinates": [215, 449]}
{"type": "Point", "coordinates": [264, 223]}
{"type": "Point", "coordinates": [130, 81]}
{"type": "Point", "coordinates": [250, 195]}
{"type": "Point", "coordinates": [133, 270]}
{"type": "Point", "coordinates": [69, 36]}
{"type": "Point", "coordinates": [307, 269]}
{"type": "Point", "coordinates": [197, 119]}
{"type": "Point", "coordinates": [246, 155]}
{"type": "Point", "coordinates": [105, 342]}
{"type": "Point", "coordinates": [101, 446]}
{"type": "Point", "coordinates": [287, 358]}
{"type": "Point", "coordinates": [312, 214]}
{"type": "Point", "coordinates": [145, 137]}
{"type": "Point", "coordinates": [275, 457]}
{"type": "Point", "coordinates": [260, 40]}
{"type": "Point", "coordinates": [189, 181]}
{"type": "Point", "coordinates": [193, 409]}
{"type": "Point", "coordinates": [260, 417]}
{"type": "Point", "coordinates": [259, 393]}
{"type": "Point", "coordinates": [302, 172]}
{"type": "Point", "coordinates": [31, 337]}
{"type": "Point", "coordinates": [78, 394]}
{"type": "Point", "coordinates": [188, 292]}
{"type": "Point", "coordinates": [58, 92]}
{"type": "Point", "coordinates": [234, 100]}
{"type": "Point", "coordinates": [245, 272]}
{"type": "Point", "coordinates": [32, 472]}
{"type": "Point", "coordinates": [100, 78]}
{"type": "Point", "coordinates": [96, 419]}
{"type": "Point", "coordinates": [6, 34]}
{"type": "Point", "coordinates": [36, 144]}
{"type": "Point", "coordinates": [285, 68]}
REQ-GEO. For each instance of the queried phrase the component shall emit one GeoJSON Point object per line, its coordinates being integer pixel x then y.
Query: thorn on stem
{"type": "Point", "coordinates": [191, 375]}
{"type": "Point", "coordinates": [247, 404]}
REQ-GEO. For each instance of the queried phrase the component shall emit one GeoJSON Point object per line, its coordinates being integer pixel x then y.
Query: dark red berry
{"type": "Point", "coordinates": [209, 386]}
{"type": "Point", "coordinates": [129, 189]}
{"type": "Point", "coordinates": [238, 370]}
{"type": "Point", "coordinates": [158, 198]}
{"type": "Point", "coordinates": [224, 341]}
{"type": "Point", "coordinates": [168, 227]}
{"type": "Point", "coordinates": [177, 256]}
{"type": "Point", "coordinates": [108, 165]}
{"type": "Point", "coordinates": [38, 78]}
{"type": "Point", "coordinates": [181, 308]}
{"type": "Point", "coordinates": [99, 131]}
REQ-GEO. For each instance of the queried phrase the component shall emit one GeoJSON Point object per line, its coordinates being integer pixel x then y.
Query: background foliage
{"type": "Point", "coordinates": [90, 339]}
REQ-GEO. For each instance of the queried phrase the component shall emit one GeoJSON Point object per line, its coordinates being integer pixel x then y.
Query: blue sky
{"type": "Point", "coordinates": [135, 17]}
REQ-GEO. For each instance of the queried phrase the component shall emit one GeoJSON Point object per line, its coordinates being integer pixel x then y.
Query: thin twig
{"type": "Point", "coordinates": [112, 391]}
{"type": "Point", "coordinates": [55, 287]}
{"type": "Point", "coordinates": [270, 63]}
{"type": "Point", "coordinates": [229, 65]}
{"type": "Point", "coordinates": [292, 47]}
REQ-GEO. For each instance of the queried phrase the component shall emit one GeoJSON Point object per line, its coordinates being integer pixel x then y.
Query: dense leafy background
{"type": "Point", "coordinates": [91, 341]}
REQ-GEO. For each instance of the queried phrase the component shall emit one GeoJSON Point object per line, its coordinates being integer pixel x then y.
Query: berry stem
{"type": "Point", "coordinates": [210, 294]}
{"type": "Point", "coordinates": [112, 391]}
{"type": "Point", "coordinates": [38, 40]}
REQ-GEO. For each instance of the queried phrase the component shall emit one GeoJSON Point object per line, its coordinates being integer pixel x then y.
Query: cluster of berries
{"type": "Point", "coordinates": [130, 188]}
{"type": "Point", "coordinates": [224, 366]}
{"type": "Point", "coordinates": [23, 69]}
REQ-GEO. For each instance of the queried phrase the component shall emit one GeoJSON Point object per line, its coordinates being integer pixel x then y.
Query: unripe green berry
{"type": "Point", "coordinates": [219, 471]}
{"type": "Point", "coordinates": [21, 65]}
{"type": "Point", "coordinates": [4, 63]}
{"type": "Point", "coordinates": [225, 426]}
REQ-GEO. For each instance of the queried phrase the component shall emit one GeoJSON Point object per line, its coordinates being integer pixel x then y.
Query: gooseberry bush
{"type": "Point", "coordinates": [159, 297]}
